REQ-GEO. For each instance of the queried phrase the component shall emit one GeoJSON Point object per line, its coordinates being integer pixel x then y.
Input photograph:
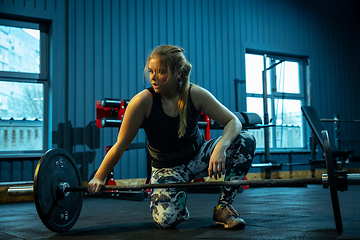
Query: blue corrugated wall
{"type": "Point", "coordinates": [99, 47]}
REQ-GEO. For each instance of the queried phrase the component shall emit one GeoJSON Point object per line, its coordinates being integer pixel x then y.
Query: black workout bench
{"type": "Point", "coordinates": [316, 126]}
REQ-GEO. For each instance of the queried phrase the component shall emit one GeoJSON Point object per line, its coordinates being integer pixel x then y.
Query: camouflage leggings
{"type": "Point", "coordinates": [168, 205]}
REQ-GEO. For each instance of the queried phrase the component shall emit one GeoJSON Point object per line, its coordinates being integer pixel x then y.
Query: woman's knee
{"type": "Point", "coordinates": [167, 211]}
{"type": "Point", "coordinates": [245, 143]}
{"type": "Point", "coordinates": [166, 214]}
{"type": "Point", "coordinates": [250, 140]}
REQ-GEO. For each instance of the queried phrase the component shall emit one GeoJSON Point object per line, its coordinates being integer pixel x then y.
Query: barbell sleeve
{"type": "Point", "coordinates": [111, 122]}
{"type": "Point", "coordinates": [112, 103]}
{"type": "Point", "coordinates": [353, 178]}
{"type": "Point", "coordinates": [21, 191]}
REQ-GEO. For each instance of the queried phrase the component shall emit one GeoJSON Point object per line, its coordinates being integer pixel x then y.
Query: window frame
{"type": "Point", "coordinates": [303, 62]}
{"type": "Point", "coordinates": [23, 77]}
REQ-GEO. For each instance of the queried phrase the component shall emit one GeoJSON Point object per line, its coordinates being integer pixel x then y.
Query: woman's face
{"type": "Point", "coordinates": [160, 77]}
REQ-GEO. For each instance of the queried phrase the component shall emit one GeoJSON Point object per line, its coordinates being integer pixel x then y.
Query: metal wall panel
{"type": "Point", "coordinates": [107, 43]}
{"type": "Point", "coordinates": [215, 35]}
{"type": "Point", "coordinates": [39, 8]}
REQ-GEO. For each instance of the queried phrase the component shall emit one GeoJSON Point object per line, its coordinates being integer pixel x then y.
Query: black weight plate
{"type": "Point", "coordinates": [332, 181]}
{"type": "Point", "coordinates": [59, 213]}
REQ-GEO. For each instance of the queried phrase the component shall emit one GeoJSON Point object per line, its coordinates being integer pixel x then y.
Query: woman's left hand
{"type": "Point", "coordinates": [217, 163]}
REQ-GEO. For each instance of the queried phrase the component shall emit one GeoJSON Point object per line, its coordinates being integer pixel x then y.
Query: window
{"type": "Point", "coordinates": [285, 84]}
{"type": "Point", "coordinates": [23, 87]}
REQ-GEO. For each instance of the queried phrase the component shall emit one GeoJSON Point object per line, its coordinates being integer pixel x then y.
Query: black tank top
{"type": "Point", "coordinates": [162, 130]}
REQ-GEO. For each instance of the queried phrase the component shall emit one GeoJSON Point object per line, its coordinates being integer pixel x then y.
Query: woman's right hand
{"type": "Point", "coordinates": [95, 185]}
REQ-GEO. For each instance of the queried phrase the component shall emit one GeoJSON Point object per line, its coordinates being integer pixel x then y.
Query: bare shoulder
{"type": "Point", "coordinates": [143, 101]}
{"type": "Point", "coordinates": [142, 97]}
{"type": "Point", "coordinates": [200, 96]}
{"type": "Point", "coordinates": [198, 92]}
{"type": "Point", "coordinates": [204, 101]}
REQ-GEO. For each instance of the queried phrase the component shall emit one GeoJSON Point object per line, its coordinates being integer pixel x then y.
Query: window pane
{"type": "Point", "coordinates": [254, 67]}
{"type": "Point", "coordinates": [288, 123]}
{"type": "Point", "coordinates": [21, 116]}
{"type": "Point", "coordinates": [285, 113]}
{"type": "Point", "coordinates": [19, 49]}
{"type": "Point", "coordinates": [287, 77]}
{"type": "Point", "coordinates": [255, 105]}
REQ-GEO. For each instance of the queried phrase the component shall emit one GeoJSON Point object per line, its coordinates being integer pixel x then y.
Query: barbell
{"type": "Point", "coordinates": [57, 188]}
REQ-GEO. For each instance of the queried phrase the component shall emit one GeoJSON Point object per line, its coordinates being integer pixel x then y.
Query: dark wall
{"type": "Point", "coordinates": [99, 49]}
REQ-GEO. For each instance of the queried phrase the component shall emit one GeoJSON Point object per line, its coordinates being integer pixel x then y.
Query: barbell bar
{"type": "Point", "coordinates": [340, 120]}
{"type": "Point", "coordinates": [65, 188]}
{"type": "Point", "coordinates": [23, 191]}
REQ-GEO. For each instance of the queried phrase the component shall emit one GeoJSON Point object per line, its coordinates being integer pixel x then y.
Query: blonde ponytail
{"type": "Point", "coordinates": [182, 108]}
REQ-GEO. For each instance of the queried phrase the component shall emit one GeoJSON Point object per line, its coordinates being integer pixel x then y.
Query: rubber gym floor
{"type": "Point", "coordinates": [270, 213]}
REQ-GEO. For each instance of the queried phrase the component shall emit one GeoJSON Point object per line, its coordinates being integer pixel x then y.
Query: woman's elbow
{"type": "Point", "coordinates": [238, 125]}
{"type": "Point", "coordinates": [235, 124]}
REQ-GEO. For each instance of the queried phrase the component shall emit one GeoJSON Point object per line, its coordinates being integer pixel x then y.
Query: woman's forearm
{"type": "Point", "coordinates": [230, 132]}
{"type": "Point", "coordinates": [109, 162]}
